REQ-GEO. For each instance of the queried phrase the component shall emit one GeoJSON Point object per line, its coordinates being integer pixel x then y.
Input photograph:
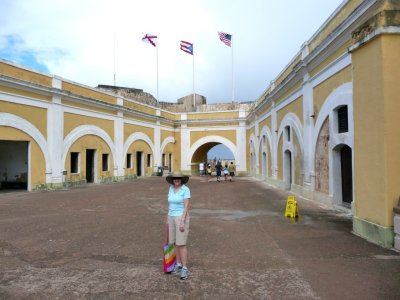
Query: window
{"type": "Point", "coordinates": [129, 161]}
{"type": "Point", "coordinates": [287, 130]}
{"type": "Point", "coordinates": [105, 162]}
{"type": "Point", "coordinates": [163, 160]}
{"type": "Point", "coordinates": [343, 124]}
{"type": "Point", "coordinates": [74, 162]}
{"type": "Point", "coordinates": [149, 160]}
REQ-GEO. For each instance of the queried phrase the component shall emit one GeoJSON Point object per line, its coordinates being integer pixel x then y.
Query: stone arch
{"type": "Point", "coordinates": [213, 139]}
{"type": "Point", "coordinates": [288, 150]}
{"type": "Point", "coordinates": [168, 140]}
{"type": "Point", "coordinates": [83, 130]}
{"type": "Point", "coordinates": [293, 121]}
{"type": "Point", "coordinates": [265, 162]}
{"type": "Point", "coordinates": [14, 121]}
{"type": "Point", "coordinates": [342, 95]}
{"type": "Point", "coordinates": [253, 146]}
{"type": "Point", "coordinates": [136, 137]}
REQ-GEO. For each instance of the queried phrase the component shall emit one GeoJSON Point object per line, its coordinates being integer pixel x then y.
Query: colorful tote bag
{"type": "Point", "coordinates": [169, 255]}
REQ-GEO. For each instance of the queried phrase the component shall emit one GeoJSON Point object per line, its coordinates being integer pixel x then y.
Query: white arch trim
{"type": "Point", "coordinates": [136, 137]}
{"type": "Point", "coordinates": [213, 139]}
{"type": "Point", "coordinates": [343, 95]}
{"type": "Point", "coordinates": [14, 121]}
{"type": "Point", "coordinates": [293, 121]}
{"type": "Point", "coordinates": [168, 140]}
{"type": "Point", "coordinates": [267, 132]}
{"type": "Point", "coordinates": [83, 130]}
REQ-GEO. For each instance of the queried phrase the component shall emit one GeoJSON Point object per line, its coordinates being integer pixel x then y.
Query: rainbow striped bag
{"type": "Point", "coordinates": [169, 255]}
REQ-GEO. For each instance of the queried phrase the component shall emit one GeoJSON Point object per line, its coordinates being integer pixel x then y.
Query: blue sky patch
{"type": "Point", "coordinates": [13, 51]}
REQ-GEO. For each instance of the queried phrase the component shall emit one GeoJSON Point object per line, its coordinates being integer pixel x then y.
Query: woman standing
{"type": "Point", "coordinates": [178, 220]}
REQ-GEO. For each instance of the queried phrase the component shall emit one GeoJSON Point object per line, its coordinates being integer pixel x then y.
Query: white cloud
{"type": "Point", "coordinates": [75, 40]}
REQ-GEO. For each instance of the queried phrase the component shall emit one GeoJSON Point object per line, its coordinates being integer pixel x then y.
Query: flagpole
{"type": "Point", "coordinates": [157, 74]}
{"type": "Point", "coordinates": [194, 95]}
{"type": "Point", "coordinates": [115, 80]}
{"type": "Point", "coordinates": [233, 82]}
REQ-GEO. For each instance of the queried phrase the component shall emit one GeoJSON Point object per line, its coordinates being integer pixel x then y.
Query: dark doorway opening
{"type": "Point", "coordinates": [288, 169]}
{"type": "Point", "coordinates": [90, 165]}
{"type": "Point", "coordinates": [347, 174]}
{"type": "Point", "coordinates": [139, 156]}
{"type": "Point", "coordinates": [14, 165]}
{"type": "Point", "coordinates": [170, 162]}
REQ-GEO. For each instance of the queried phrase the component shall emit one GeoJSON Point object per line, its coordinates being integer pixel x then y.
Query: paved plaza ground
{"type": "Point", "coordinates": [104, 242]}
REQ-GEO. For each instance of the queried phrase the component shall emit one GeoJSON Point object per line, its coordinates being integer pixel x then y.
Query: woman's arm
{"type": "Point", "coordinates": [185, 211]}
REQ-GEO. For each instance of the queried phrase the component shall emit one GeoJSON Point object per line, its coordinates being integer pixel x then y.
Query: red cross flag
{"type": "Point", "coordinates": [150, 39]}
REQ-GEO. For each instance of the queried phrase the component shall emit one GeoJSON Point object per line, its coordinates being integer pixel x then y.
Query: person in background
{"type": "Point", "coordinates": [232, 170]}
{"type": "Point", "coordinates": [209, 170]}
{"type": "Point", "coordinates": [226, 172]}
{"type": "Point", "coordinates": [178, 220]}
{"type": "Point", "coordinates": [218, 168]}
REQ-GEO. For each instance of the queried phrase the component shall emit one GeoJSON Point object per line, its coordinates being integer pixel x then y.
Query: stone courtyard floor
{"type": "Point", "coordinates": [105, 242]}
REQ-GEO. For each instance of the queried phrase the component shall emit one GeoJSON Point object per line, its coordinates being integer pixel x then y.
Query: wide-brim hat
{"type": "Point", "coordinates": [177, 174]}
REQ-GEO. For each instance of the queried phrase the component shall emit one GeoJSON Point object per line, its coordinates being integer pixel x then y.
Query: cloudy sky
{"type": "Point", "coordinates": [85, 40]}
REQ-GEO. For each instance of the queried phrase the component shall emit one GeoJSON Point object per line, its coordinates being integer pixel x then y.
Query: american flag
{"type": "Point", "coordinates": [225, 38]}
{"type": "Point", "coordinates": [187, 47]}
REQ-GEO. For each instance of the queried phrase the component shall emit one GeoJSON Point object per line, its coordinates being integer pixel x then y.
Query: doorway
{"type": "Point", "coordinates": [14, 165]}
{"type": "Point", "coordinates": [139, 163]}
{"type": "Point", "coordinates": [90, 154]}
{"type": "Point", "coordinates": [287, 169]}
{"type": "Point", "coordinates": [347, 174]}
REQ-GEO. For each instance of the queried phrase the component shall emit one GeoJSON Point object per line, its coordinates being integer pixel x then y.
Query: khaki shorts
{"type": "Point", "coordinates": [175, 235]}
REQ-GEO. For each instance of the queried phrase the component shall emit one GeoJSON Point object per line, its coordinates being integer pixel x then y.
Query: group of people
{"type": "Point", "coordinates": [228, 171]}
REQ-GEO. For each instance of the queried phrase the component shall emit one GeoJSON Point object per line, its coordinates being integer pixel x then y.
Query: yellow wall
{"type": "Point", "coordinates": [140, 107]}
{"type": "Point", "coordinates": [87, 92]}
{"type": "Point", "coordinates": [89, 107]}
{"type": "Point", "coordinates": [35, 115]}
{"type": "Point", "coordinates": [130, 129]}
{"type": "Point", "coordinates": [228, 134]}
{"type": "Point", "coordinates": [23, 74]}
{"type": "Point", "coordinates": [80, 145]}
{"type": "Point", "coordinates": [324, 89]}
{"type": "Point", "coordinates": [24, 93]}
{"type": "Point", "coordinates": [376, 89]}
{"type": "Point", "coordinates": [295, 107]}
{"type": "Point", "coordinates": [37, 163]}
{"type": "Point", "coordinates": [342, 50]}
{"type": "Point", "coordinates": [72, 121]}
{"type": "Point", "coordinates": [212, 116]}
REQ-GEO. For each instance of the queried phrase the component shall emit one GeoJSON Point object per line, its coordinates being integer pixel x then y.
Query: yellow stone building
{"type": "Point", "coordinates": [326, 128]}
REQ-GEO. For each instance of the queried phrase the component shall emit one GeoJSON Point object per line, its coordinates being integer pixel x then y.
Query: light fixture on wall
{"type": "Point", "coordinates": [312, 116]}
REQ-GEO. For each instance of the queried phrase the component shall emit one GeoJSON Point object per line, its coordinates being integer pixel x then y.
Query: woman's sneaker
{"type": "Point", "coordinates": [177, 269]}
{"type": "Point", "coordinates": [184, 273]}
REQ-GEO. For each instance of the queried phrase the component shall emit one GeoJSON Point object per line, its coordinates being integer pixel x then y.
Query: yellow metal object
{"type": "Point", "coordinates": [292, 210]}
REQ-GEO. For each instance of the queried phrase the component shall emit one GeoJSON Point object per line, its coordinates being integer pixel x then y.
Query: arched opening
{"type": "Point", "coordinates": [14, 160]}
{"type": "Point", "coordinates": [347, 174]}
{"type": "Point", "coordinates": [209, 154]}
{"type": "Point", "coordinates": [287, 169]}
{"type": "Point", "coordinates": [342, 175]}
{"type": "Point", "coordinates": [264, 164]}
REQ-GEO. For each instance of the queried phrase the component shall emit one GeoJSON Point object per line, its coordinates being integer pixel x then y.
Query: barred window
{"type": "Point", "coordinates": [343, 124]}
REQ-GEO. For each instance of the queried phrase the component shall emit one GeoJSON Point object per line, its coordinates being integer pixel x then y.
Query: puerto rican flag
{"type": "Point", "coordinates": [150, 39]}
{"type": "Point", "coordinates": [187, 47]}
